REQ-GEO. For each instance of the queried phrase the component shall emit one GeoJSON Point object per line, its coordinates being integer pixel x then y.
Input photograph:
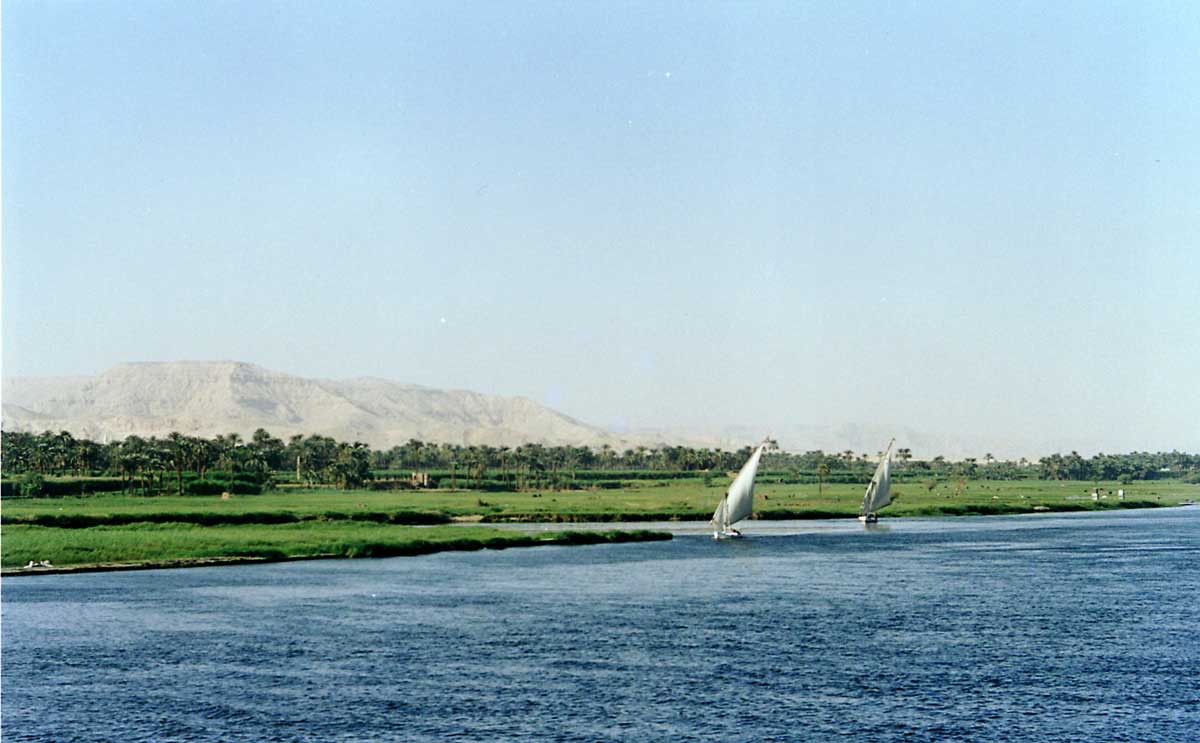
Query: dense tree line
{"type": "Point", "coordinates": [1122, 467]}
{"type": "Point", "coordinates": [161, 463]}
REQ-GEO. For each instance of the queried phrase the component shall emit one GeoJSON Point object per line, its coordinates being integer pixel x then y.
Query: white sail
{"type": "Point", "coordinates": [738, 502]}
{"type": "Point", "coordinates": [719, 521]}
{"type": "Point", "coordinates": [879, 490]}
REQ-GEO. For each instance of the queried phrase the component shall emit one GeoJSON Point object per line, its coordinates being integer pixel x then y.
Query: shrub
{"type": "Point", "coordinates": [32, 486]}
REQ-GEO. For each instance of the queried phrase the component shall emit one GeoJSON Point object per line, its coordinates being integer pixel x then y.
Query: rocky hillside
{"type": "Point", "coordinates": [208, 398]}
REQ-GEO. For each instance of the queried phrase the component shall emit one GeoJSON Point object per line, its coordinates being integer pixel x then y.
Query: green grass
{"type": "Point", "coordinates": [133, 543]}
{"type": "Point", "coordinates": [661, 500]}
{"type": "Point", "coordinates": [299, 504]}
{"type": "Point", "coordinates": [297, 523]}
{"type": "Point", "coordinates": [979, 497]}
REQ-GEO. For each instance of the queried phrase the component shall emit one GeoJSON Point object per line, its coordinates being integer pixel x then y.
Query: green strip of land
{"type": "Point", "coordinates": [660, 500]}
{"type": "Point", "coordinates": [114, 528]}
{"type": "Point", "coordinates": [160, 545]}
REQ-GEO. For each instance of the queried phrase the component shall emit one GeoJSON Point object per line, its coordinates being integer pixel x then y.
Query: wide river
{"type": "Point", "coordinates": [1032, 628]}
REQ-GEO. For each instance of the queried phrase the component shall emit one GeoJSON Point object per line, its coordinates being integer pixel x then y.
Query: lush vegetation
{"type": "Point", "coordinates": [122, 528]}
{"type": "Point", "coordinates": [681, 499]}
{"type": "Point", "coordinates": [191, 465]}
{"type": "Point", "coordinates": [184, 464]}
{"type": "Point", "coordinates": [181, 497]}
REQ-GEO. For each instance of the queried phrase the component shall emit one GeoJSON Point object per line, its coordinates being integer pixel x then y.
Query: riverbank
{"type": "Point", "coordinates": [666, 500]}
{"type": "Point", "coordinates": [153, 546]}
{"type": "Point", "coordinates": [795, 514]}
{"type": "Point", "coordinates": [106, 530]}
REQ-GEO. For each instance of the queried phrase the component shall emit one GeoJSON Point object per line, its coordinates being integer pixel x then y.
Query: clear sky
{"type": "Point", "coordinates": [959, 217]}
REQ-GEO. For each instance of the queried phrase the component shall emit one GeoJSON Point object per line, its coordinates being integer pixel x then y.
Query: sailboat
{"type": "Point", "coordinates": [879, 490]}
{"type": "Point", "coordinates": [738, 501]}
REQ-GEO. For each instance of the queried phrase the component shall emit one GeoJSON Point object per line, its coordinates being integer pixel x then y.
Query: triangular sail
{"type": "Point", "coordinates": [879, 491]}
{"type": "Point", "coordinates": [719, 519]}
{"type": "Point", "coordinates": [738, 503]}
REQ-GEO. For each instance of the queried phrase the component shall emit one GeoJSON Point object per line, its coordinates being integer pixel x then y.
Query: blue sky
{"type": "Point", "coordinates": [959, 217]}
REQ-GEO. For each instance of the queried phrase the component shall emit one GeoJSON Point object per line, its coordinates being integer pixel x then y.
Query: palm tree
{"type": "Point", "coordinates": [156, 461]}
{"type": "Point", "coordinates": [571, 460]}
{"type": "Point", "coordinates": [87, 456]}
{"type": "Point", "coordinates": [229, 454]}
{"type": "Point", "coordinates": [61, 451]}
{"type": "Point", "coordinates": [202, 454]}
{"type": "Point", "coordinates": [132, 459]}
{"type": "Point", "coordinates": [504, 453]}
{"type": "Point", "coordinates": [265, 451]}
{"type": "Point", "coordinates": [177, 455]}
{"type": "Point", "coordinates": [412, 454]}
{"type": "Point", "coordinates": [476, 464]}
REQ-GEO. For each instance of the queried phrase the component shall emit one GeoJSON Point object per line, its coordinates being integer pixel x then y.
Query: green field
{"type": "Point", "coordinates": [294, 523]}
{"type": "Point", "coordinates": [667, 499]}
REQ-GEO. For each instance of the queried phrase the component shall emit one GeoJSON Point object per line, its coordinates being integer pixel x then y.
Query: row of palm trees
{"type": "Point", "coordinates": [419, 455]}
{"type": "Point", "coordinates": [321, 460]}
{"type": "Point", "coordinates": [416, 454]}
{"type": "Point", "coordinates": [152, 461]}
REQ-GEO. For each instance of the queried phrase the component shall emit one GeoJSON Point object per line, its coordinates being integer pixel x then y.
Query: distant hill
{"type": "Point", "coordinates": [206, 398]}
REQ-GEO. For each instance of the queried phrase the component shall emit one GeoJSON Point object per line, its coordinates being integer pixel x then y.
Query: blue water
{"type": "Point", "coordinates": [1037, 628]}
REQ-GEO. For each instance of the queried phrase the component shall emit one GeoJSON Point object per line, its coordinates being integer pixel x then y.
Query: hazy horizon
{"type": "Point", "coordinates": [857, 436]}
{"type": "Point", "coordinates": [969, 221]}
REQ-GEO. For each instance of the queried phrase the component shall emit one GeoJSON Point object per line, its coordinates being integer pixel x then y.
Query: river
{"type": "Point", "coordinates": [1029, 628]}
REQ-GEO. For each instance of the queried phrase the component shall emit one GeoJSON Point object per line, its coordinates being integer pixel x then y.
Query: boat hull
{"type": "Point", "coordinates": [869, 518]}
{"type": "Point", "coordinates": [728, 534]}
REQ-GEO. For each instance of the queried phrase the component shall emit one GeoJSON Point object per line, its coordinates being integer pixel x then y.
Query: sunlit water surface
{"type": "Point", "coordinates": [1031, 628]}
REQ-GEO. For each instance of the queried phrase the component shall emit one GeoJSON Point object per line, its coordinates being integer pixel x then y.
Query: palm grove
{"type": "Point", "coordinates": [190, 464]}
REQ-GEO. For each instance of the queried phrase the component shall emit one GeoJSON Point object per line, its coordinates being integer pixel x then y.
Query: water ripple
{"type": "Point", "coordinates": [999, 629]}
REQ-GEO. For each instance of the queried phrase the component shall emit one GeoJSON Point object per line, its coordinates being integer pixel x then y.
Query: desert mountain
{"type": "Point", "coordinates": [209, 398]}
{"type": "Point", "coordinates": [206, 398]}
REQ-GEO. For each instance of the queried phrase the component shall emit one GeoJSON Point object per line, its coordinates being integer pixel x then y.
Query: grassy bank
{"type": "Point", "coordinates": [664, 500]}
{"type": "Point", "coordinates": [108, 528]}
{"type": "Point", "coordinates": [147, 542]}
